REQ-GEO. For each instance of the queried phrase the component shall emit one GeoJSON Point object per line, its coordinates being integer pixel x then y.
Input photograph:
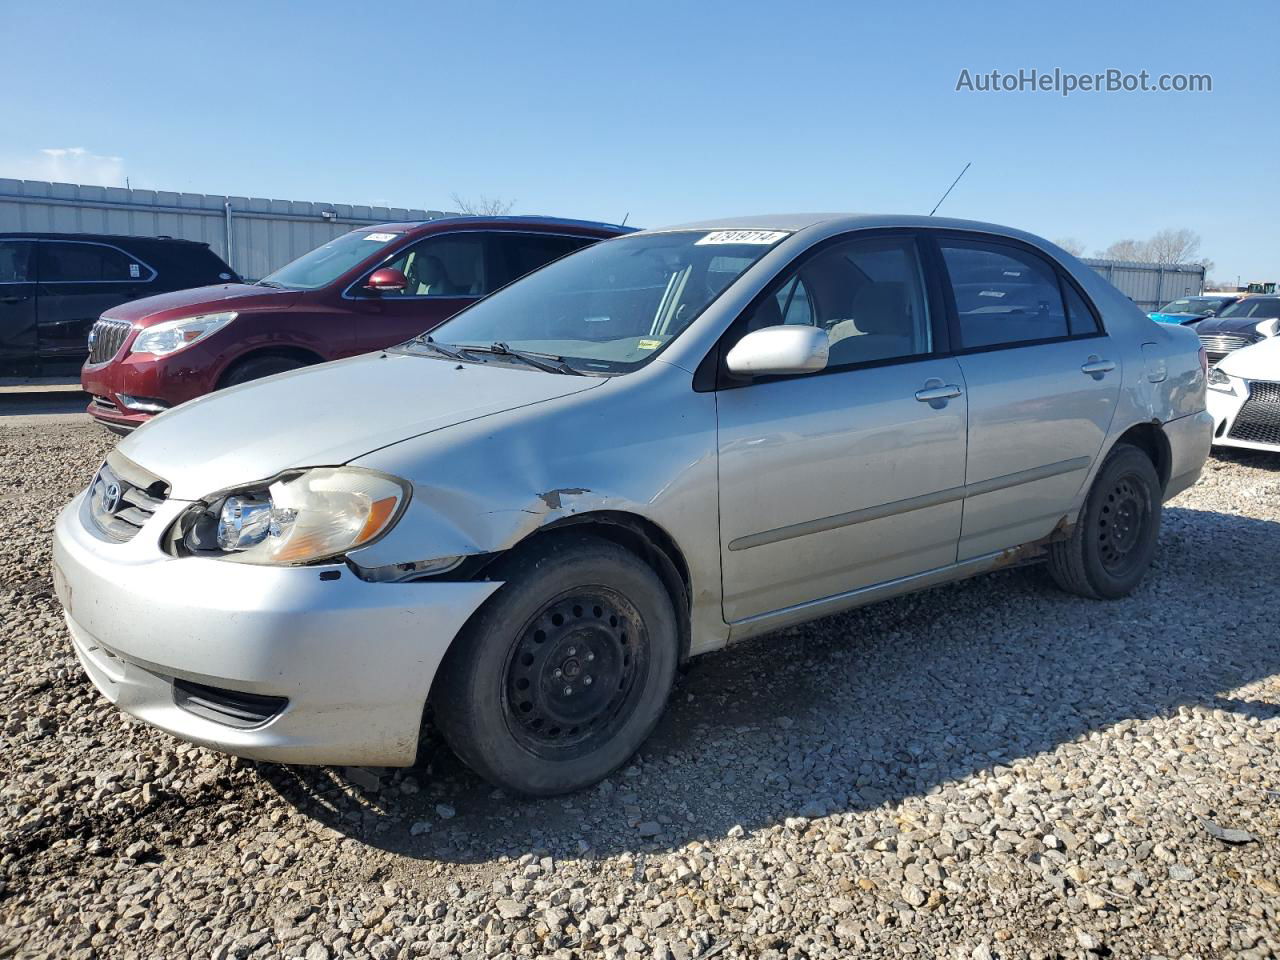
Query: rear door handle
{"type": "Point", "coordinates": [14, 299]}
{"type": "Point", "coordinates": [942, 392]}
{"type": "Point", "coordinates": [1097, 368]}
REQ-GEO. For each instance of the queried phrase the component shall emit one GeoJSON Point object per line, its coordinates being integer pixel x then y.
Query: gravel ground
{"type": "Point", "coordinates": [991, 769]}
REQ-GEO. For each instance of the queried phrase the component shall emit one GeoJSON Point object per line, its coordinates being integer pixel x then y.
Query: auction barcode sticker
{"type": "Point", "coordinates": [380, 237]}
{"type": "Point", "coordinates": [765, 237]}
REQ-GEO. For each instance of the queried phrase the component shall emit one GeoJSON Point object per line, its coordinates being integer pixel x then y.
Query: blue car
{"type": "Point", "coordinates": [1186, 310]}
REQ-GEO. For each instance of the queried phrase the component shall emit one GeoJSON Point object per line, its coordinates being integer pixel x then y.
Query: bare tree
{"type": "Point", "coordinates": [484, 207]}
{"type": "Point", "coordinates": [1071, 245]}
{"type": "Point", "coordinates": [1125, 250]}
{"type": "Point", "coordinates": [1174, 246]}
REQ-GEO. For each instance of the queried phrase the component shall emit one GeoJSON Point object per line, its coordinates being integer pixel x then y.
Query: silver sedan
{"type": "Point", "coordinates": [654, 447]}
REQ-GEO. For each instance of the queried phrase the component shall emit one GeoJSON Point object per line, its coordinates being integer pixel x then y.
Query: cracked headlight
{"type": "Point", "coordinates": [306, 516]}
{"type": "Point", "coordinates": [174, 335]}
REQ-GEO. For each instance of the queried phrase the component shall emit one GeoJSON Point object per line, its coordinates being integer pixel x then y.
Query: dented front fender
{"type": "Point", "coordinates": [642, 445]}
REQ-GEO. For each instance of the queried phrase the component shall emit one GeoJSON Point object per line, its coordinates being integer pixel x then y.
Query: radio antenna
{"type": "Point", "coordinates": [950, 188]}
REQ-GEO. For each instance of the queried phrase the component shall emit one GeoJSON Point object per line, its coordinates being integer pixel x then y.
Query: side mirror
{"type": "Point", "coordinates": [789, 348]}
{"type": "Point", "coordinates": [387, 280]}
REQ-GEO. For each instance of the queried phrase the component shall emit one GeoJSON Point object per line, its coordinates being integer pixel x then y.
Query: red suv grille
{"type": "Point", "coordinates": [106, 338]}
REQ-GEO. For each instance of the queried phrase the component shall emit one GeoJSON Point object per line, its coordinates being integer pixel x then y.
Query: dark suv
{"type": "Point", "coordinates": [54, 286]}
{"type": "Point", "coordinates": [365, 290]}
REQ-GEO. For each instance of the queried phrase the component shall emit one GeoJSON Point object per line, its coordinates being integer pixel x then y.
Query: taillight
{"type": "Point", "coordinates": [1204, 361]}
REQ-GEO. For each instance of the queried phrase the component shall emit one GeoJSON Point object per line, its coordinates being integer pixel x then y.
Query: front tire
{"type": "Point", "coordinates": [1113, 543]}
{"type": "Point", "coordinates": [255, 368]}
{"type": "Point", "coordinates": [562, 675]}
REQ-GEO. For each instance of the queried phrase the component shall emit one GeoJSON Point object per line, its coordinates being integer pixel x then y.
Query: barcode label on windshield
{"type": "Point", "coordinates": [765, 237]}
{"type": "Point", "coordinates": [380, 237]}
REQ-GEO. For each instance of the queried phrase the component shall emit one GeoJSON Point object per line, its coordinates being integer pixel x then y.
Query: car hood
{"type": "Point", "coordinates": [1261, 361]}
{"type": "Point", "coordinates": [1229, 325]}
{"type": "Point", "coordinates": [327, 415]}
{"type": "Point", "coordinates": [1180, 318]}
{"type": "Point", "coordinates": [197, 300]}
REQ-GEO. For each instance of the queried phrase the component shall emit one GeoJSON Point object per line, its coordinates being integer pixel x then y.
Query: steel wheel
{"type": "Point", "coordinates": [572, 671]}
{"type": "Point", "coordinates": [1122, 519]}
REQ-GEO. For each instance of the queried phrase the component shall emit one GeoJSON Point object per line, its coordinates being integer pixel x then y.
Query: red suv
{"type": "Point", "coordinates": [363, 291]}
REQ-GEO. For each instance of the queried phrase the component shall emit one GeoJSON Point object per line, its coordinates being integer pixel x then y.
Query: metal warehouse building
{"type": "Point", "coordinates": [254, 235]}
{"type": "Point", "coordinates": [1152, 285]}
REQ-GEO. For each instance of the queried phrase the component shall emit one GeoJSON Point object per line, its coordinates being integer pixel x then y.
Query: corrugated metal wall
{"type": "Point", "coordinates": [1152, 285]}
{"type": "Point", "coordinates": [265, 234]}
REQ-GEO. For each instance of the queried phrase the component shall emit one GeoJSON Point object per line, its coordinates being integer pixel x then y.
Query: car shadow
{"type": "Point", "coordinates": [862, 709]}
{"type": "Point", "coordinates": [1258, 459]}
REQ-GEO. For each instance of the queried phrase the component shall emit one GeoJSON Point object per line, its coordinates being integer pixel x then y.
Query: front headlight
{"type": "Point", "coordinates": [174, 335]}
{"type": "Point", "coordinates": [306, 516]}
{"type": "Point", "coordinates": [1220, 381]}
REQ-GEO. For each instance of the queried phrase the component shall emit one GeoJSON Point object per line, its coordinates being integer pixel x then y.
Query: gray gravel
{"type": "Point", "coordinates": [988, 770]}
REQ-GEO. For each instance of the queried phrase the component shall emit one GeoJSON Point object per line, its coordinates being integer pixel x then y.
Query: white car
{"type": "Point", "coordinates": [1244, 397]}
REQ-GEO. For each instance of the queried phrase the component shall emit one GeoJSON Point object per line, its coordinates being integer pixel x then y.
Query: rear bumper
{"type": "Point", "coordinates": [354, 660]}
{"type": "Point", "coordinates": [1189, 439]}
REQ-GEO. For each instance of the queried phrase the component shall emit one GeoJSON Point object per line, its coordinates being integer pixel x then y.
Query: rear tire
{"type": "Point", "coordinates": [564, 672]}
{"type": "Point", "coordinates": [255, 368]}
{"type": "Point", "coordinates": [1111, 547]}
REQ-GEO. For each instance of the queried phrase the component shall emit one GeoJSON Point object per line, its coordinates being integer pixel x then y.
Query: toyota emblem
{"type": "Point", "coordinates": [111, 497]}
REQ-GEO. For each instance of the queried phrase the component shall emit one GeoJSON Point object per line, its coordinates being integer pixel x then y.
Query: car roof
{"type": "Point", "coordinates": [547, 223]}
{"type": "Point", "coordinates": [95, 237]}
{"type": "Point", "coordinates": [835, 222]}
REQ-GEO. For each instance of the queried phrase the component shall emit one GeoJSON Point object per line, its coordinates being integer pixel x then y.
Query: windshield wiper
{"type": "Point", "coordinates": [426, 341]}
{"type": "Point", "coordinates": [542, 361]}
{"type": "Point", "coordinates": [269, 283]}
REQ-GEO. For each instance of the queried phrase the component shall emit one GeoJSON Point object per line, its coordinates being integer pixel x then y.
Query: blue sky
{"type": "Point", "coordinates": [668, 111]}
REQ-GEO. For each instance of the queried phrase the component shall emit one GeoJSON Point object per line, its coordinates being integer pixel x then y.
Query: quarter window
{"type": "Point", "coordinates": [868, 295]}
{"type": "Point", "coordinates": [1080, 319]}
{"type": "Point", "coordinates": [87, 263]}
{"type": "Point", "coordinates": [447, 266]}
{"type": "Point", "coordinates": [1005, 295]}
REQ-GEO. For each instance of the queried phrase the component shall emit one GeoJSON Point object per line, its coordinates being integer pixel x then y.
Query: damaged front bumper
{"type": "Point", "coordinates": [291, 664]}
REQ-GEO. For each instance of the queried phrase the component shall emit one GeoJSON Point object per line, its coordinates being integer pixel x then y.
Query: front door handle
{"type": "Point", "coordinates": [1097, 368]}
{"type": "Point", "coordinates": [14, 299]}
{"type": "Point", "coordinates": [937, 393]}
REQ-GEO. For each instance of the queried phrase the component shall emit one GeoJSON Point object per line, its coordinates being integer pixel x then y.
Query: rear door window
{"type": "Point", "coordinates": [15, 261]}
{"type": "Point", "coordinates": [1003, 295]}
{"type": "Point", "coordinates": [88, 263]}
{"type": "Point", "coordinates": [521, 253]}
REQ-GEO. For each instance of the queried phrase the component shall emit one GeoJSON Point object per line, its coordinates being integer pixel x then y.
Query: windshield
{"type": "Point", "coordinates": [1261, 308]}
{"type": "Point", "coordinates": [327, 263]}
{"type": "Point", "coordinates": [1188, 305]}
{"type": "Point", "coordinates": [611, 307]}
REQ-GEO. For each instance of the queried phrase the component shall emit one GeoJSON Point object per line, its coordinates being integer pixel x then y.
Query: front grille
{"type": "Point", "coordinates": [1259, 419]}
{"type": "Point", "coordinates": [119, 507]}
{"type": "Point", "coordinates": [106, 338]}
{"type": "Point", "coordinates": [1218, 345]}
{"type": "Point", "coordinates": [102, 403]}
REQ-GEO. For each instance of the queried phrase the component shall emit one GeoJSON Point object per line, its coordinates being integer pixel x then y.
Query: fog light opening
{"type": "Point", "coordinates": [142, 404]}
